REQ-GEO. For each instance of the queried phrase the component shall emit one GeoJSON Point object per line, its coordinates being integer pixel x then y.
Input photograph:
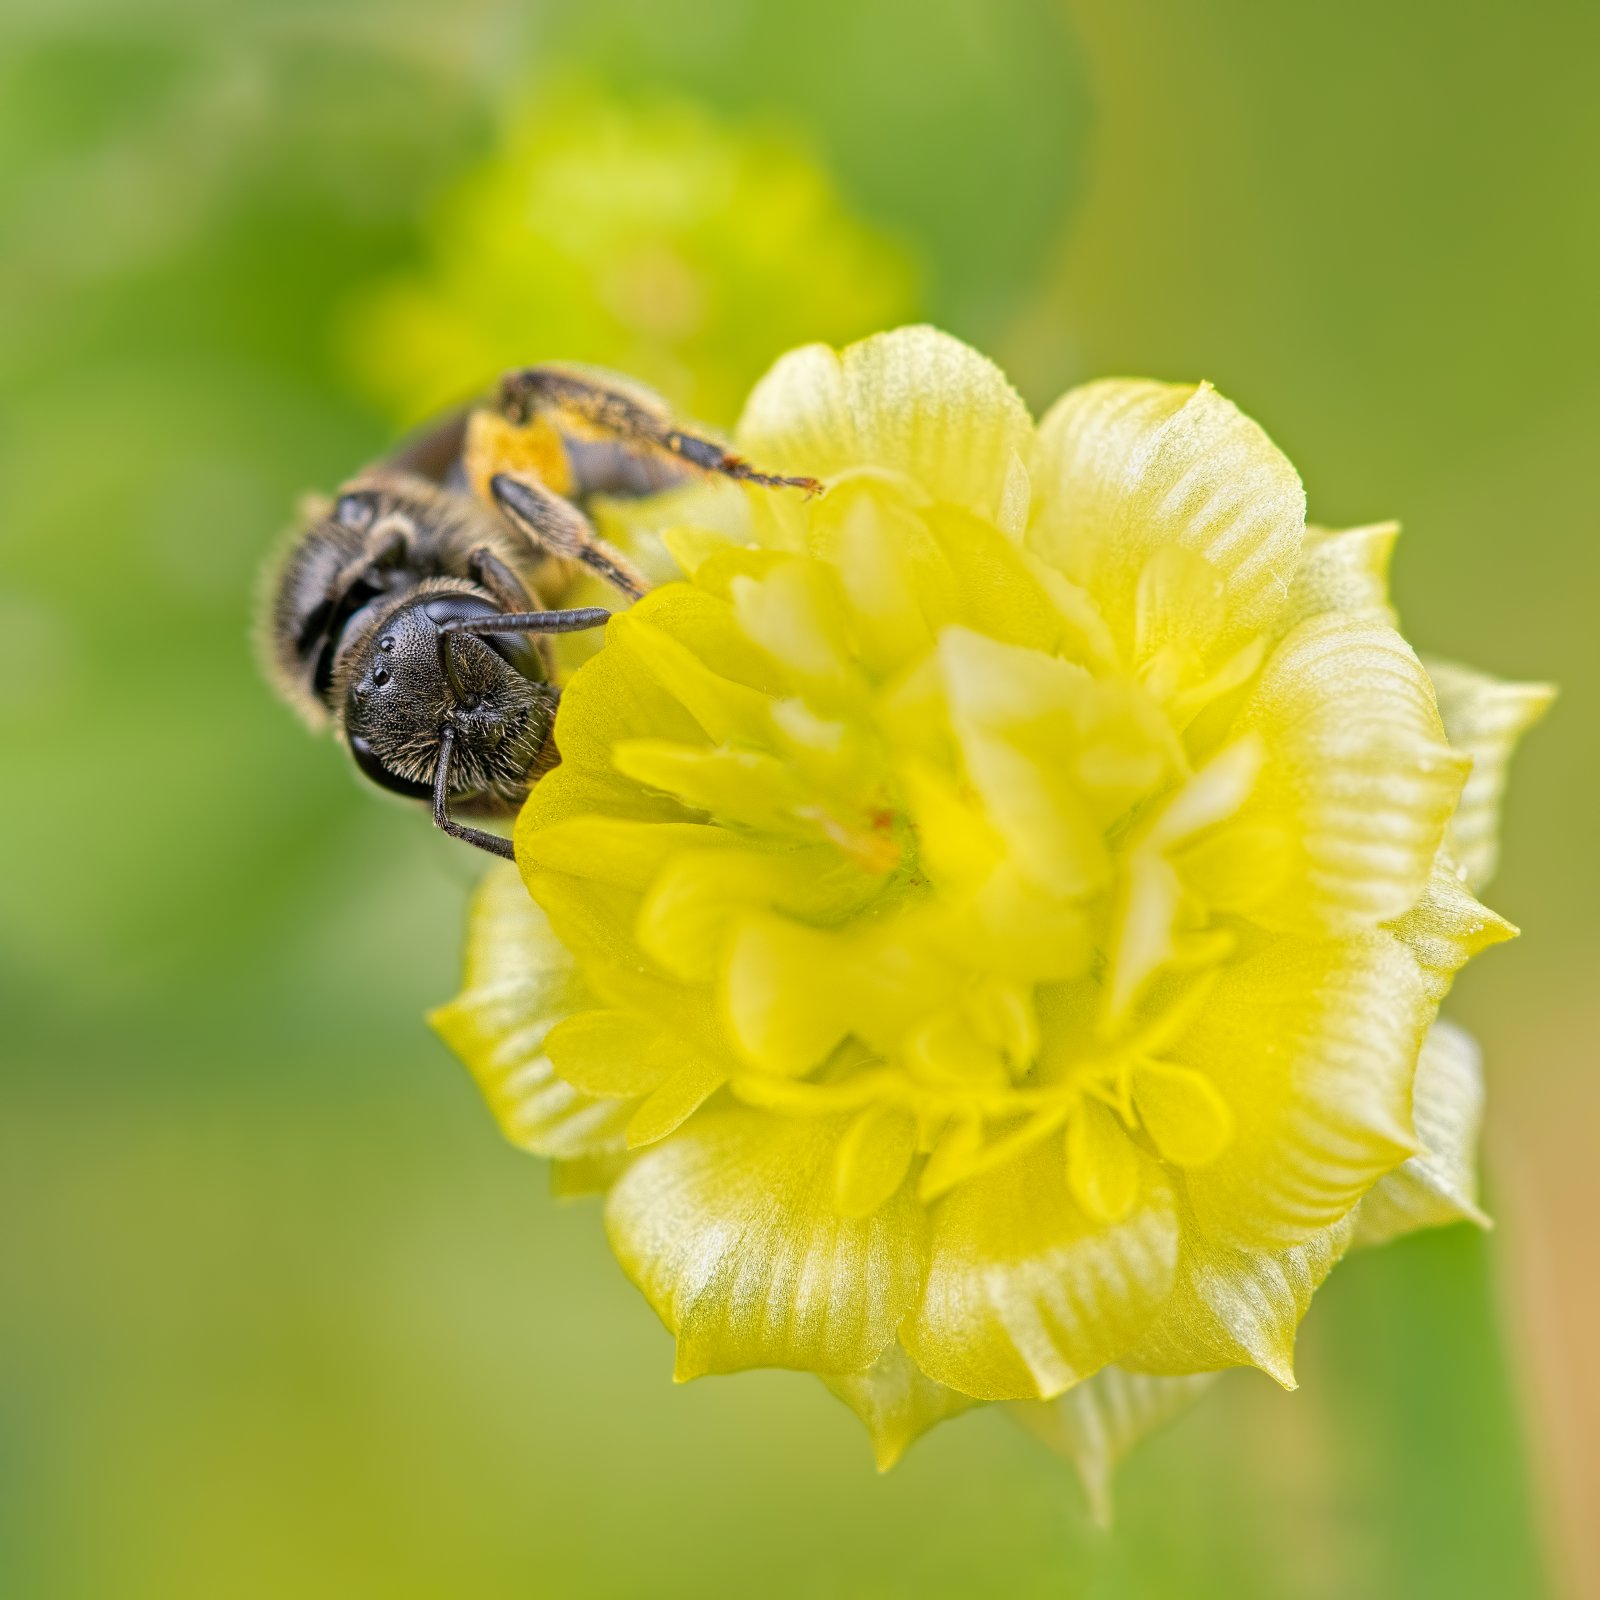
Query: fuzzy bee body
{"type": "Point", "coordinates": [405, 613]}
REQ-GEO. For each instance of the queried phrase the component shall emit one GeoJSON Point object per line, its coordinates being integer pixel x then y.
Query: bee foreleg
{"type": "Point", "coordinates": [484, 840]}
{"type": "Point", "coordinates": [488, 571]}
{"type": "Point", "coordinates": [554, 526]}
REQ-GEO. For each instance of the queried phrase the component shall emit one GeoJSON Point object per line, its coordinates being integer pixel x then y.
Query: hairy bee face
{"type": "Point", "coordinates": [397, 700]}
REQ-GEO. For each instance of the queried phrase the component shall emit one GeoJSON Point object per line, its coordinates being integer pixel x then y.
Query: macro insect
{"type": "Point", "coordinates": [405, 612]}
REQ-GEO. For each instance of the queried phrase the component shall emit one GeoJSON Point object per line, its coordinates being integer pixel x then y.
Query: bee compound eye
{"type": "Point", "coordinates": [355, 511]}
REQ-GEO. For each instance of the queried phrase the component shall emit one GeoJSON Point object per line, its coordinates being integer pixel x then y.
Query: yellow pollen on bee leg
{"type": "Point", "coordinates": [531, 449]}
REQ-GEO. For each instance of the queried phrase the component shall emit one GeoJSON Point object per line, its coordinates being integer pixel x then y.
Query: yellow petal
{"type": "Point", "coordinates": [780, 994]}
{"type": "Point", "coordinates": [1106, 743]}
{"type": "Point", "coordinates": [1009, 594]}
{"type": "Point", "coordinates": [520, 982]}
{"type": "Point", "coordinates": [1344, 570]}
{"type": "Point", "coordinates": [1446, 928]}
{"type": "Point", "coordinates": [609, 699]}
{"type": "Point", "coordinates": [947, 1048]}
{"type": "Point", "coordinates": [1239, 1308]}
{"type": "Point", "coordinates": [1179, 606]}
{"type": "Point", "coordinates": [1484, 717]}
{"type": "Point", "coordinates": [1211, 796]}
{"type": "Point", "coordinates": [1158, 911]}
{"type": "Point", "coordinates": [1024, 933]}
{"type": "Point", "coordinates": [1357, 770]}
{"type": "Point", "coordinates": [1148, 899]}
{"type": "Point", "coordinates": [592, 918]}
{"type": "Point", "coordinates": [1187, 1119]}
{"type": "Point", "coordinates": [596, 922]}
{"type": "Point", "coordinates": [1096, 1423]}
{"type": "Point", "coordinates": [1240, 867]}
{"type": "Point", "coordinates": [610, 850]}
{"type": "Point", "coordinates": [584, 1176]}
{"type": "Point", "coordinates": [956, 845]}
{"type": "Point", "coordinates": [1102, 1164]}
{"type": "Point", "coordinates": [913, 401]}
{"type": "Point", "coordinates": [608, 1053]}
{"type": "Point", "coordinates": [796, 614]}
{"type": "Point", "coordinates": [693, 905]}
{"type": "Point", "coordinates": [729, 1229]}
{"type": "Point", "coordinates": [706, 633]}
{"type": "Point", "coordinates": [676, 1100]}
{"type": "Point", "coordinates": [1440, 1183]}
{"type": "Point", "coordinates": [829, 754]}
{"type": "Point", "coordinates": [1126, 468]}
{"type": "Point", "coordinates": [729, 712]}
{"type": "Point", "coordinates": [745, 787]}
{"type": "Point", "coordinates": [1026, 1295]}
{"type": "Point", "coordinates": [953, 1159]}
{"type": "Point", "coordinates": [717, 572]}
{"type": "Point", "coordinates": [895, 578]}
{"type": "Point", "coordinates": [1003, 1012]}
{"type": "Point", "coordinates": [896, 1401]}
{"type": "Point", "coordinates": [1313, 1045]}
{"type": "Point", "coordinates": [1013, 712]}
{"type": "Point", "coordinates": [872, 1160]}
{"type": "Point", "coordinates": [692, 546]}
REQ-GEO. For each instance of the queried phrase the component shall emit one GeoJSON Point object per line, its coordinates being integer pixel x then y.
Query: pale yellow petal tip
{"type": "Point", "coordinates": [1533, 701]}
{"type": "Point", "coordinates": [467, 1027]}
{"type": "Point", "coordinates": [583, 1177]}
{"type": "Point", "coordinates": [895, 1402]}
{"type": "Point", "coordinates": [889, 1440]}
{"type": "Point", "coordinates": [1098, 1422]}
{"type": "Point", "coordinates": [692, 547]}
{"type": "Point", "coordinates": [690, 1362]}
{"type": "Point", "coordinates": [1280, 1368]}
{"type": "Point", "coordinates": [1098, 1498]}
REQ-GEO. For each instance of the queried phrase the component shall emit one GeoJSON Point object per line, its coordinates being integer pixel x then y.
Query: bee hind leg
{"type": "Point", "coordinates": [633, 420]}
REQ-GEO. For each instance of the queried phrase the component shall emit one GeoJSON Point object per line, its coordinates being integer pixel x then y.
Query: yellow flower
{"type": "Point", "coordinates": [988, 919]}
{"type": "Point", "coordinates": [650, 238]}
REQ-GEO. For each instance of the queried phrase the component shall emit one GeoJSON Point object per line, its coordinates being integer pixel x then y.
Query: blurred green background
{"type": "Point", "coordinates": [279, 1313]}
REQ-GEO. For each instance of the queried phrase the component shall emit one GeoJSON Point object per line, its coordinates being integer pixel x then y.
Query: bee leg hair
{"type": "Point", "coordinates": [554, 526]}
{"type": "Point", "coordinates": [528, 391]}
{"type": "Point", "coordinates": [484, 840]}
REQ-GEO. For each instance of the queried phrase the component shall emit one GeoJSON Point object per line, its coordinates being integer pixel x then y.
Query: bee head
{"type": "Point", "coordinates": [398, 697]}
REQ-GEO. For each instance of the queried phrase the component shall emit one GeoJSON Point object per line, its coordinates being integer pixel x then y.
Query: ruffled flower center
{"type": "Point", "coordinates": [952, 858]}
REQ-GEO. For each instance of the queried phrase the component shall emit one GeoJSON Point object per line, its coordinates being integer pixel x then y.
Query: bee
{"type": "Point", "coordinates": [405, 612]}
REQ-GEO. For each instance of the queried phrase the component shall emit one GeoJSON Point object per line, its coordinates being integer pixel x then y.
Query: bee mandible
{"type": "Point", "coordinates": [405, 613]}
